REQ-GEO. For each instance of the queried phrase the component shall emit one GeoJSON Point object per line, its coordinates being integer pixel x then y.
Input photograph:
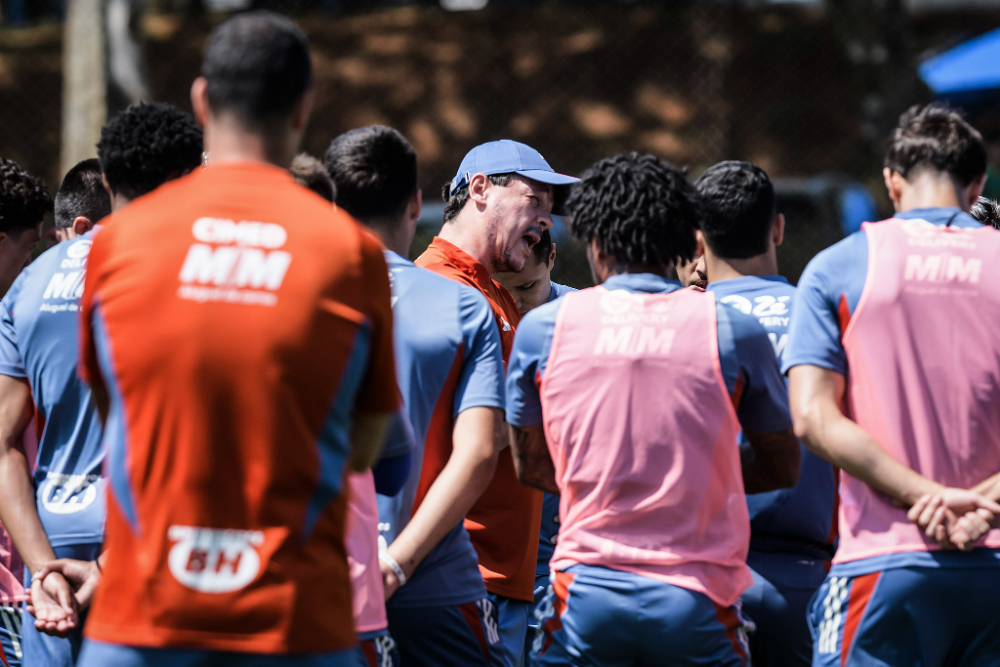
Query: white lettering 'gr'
{"type": "Point", "coordinates": [68, 494]}
{"type": "Point", "coordinates": [235, 267]}
{"type": "Point", "coordinates": [212, 560]}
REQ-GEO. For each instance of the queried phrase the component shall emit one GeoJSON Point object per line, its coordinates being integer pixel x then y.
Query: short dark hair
{"type": "Point", "coordinates": [257, 67]}
{"type": "Point", "coordinates": [543, 248]}
{"type": "Point", "coordinates": [24, 199]}
{"type": "Point", "coordinates": [987, 211]}
{"type": "Point", "coordinates": [454, 204]}
{"type": "Point", "coordinates": [738, 209]}
{"type": "Point", "coordinates": [639, 209]}
{"type": "Point", "coordinates": [310, 173]}
{"type": "Point", "coordinates": [938, 138]}
{"type": "Point", "coordinates": [147, 145]}
{"type": "Point", "coordinates": [82, 194]}
{"type": "Point", "coordinates": [375, 171]}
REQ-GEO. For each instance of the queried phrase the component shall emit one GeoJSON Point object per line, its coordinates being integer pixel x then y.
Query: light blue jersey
{"type": "Point", "coordinates": [39, 341]}
{"type": "Point", "coordinates": [448, 360]}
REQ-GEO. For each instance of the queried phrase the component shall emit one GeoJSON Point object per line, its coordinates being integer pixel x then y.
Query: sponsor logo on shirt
{"type": "Point", "coordinates": [945, 267]}
{"type": "Point", "coordinates": [234, 262]}
{"type": "Point", "coordinates": [67, 284]}
{"type": "Point", "coordinates": [214, 560]}
{"type": "Point", "coordinates": [68, 494]}
{"type": "Point", "coordinates": [770, 311]}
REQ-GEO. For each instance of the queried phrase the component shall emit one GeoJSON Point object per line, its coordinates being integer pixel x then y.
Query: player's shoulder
{"type": "Point", "coordinates": [841, 259]}
{"type": "Point", "coordinates": [540, 322]}
{"type": "Point", "coordinates": [743, 328]}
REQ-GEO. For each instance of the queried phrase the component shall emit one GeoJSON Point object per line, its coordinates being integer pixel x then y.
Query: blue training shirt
{"type": "Point", "coordinates": [39, 341]}
{"type": "Point", "coordinates": [550, 503]}
{"type": "Point", "coordinates": [827, 297]}
{"type": "Point", "coordinates": [745, 354]}
{"type": "Point", "coordinates": [799, 519]}
{"type": "Point", "coordinates": [448, 360]}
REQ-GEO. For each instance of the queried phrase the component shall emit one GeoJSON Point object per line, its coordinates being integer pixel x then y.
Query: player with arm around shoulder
{"type": "Point", "coordinates": [589, 399]}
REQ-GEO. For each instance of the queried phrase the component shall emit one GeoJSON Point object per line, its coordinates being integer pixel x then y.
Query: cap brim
{"type": "Point", "coordinates": [561, 181]}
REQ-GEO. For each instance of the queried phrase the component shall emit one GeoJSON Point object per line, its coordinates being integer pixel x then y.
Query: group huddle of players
{"type": "Point", "coordinates": [239, 427]}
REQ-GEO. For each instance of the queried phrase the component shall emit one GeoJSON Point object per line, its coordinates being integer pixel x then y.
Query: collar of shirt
{"type": "Point", "coordinates": [395, 259]}
{"type": "Point", "coordinates": [748, 280]}
{"type": "Point", "coordinates": [940, 216]}
{"type": "Point", "coordinates": [643, 283]}
{"type": "Point", "coordinates": [463, 261]}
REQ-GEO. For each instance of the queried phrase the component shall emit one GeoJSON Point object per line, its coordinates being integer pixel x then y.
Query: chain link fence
{"type": "Point", "coordinates": [808, 91]}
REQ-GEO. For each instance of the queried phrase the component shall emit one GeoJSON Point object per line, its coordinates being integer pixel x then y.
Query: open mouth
{"type": "Point", "coordinates": [531, 239]}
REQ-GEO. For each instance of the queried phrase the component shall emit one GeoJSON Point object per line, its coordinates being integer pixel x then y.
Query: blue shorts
{"type": "Point", "coordinates": [42, 649]}
{"type": "Point", "coordinates": [378, 649]}
{"type": "Point", "coordinates": [541, 588]}
{"type": "Point", "coordinates": [778, 604]}
{"type": "Point", "coordinates": [460, 635]}
{"type": "Point", "coordinates": [10, 635]}
{"type": "Point", "coordinates": [512, 617]}
{"type": "Point", "coordinates": [605, 618]}
{"type": "Point", "coordinates": [99, 654]}
{"type": "Point", "coordinates": [908, 616]}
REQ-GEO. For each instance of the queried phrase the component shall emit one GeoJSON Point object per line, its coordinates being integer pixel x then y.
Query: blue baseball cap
{"type": "Point", "coordinates": [506, 157]}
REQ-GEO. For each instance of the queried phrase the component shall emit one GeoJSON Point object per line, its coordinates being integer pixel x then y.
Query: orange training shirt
{"type": "Point", "coordinates": [236, 321]}
{"type": "Point", "coordinates": [505, 522]}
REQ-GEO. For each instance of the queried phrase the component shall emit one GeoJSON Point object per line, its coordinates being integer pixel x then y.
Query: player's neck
{"type": "Point", "coordinates": [226, 140]}
{"type": "Point", "coordinates": [765, 264]}
{"type": "Point", "coordinates": [929, 189]}
{"type": "Point", "coordinates": [466, 235]}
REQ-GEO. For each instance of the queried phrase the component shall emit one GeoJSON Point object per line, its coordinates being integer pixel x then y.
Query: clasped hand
{"type": "Point", "coordinates": [955, 518]}
{"type": "Point", "coordinates": [59, 592]}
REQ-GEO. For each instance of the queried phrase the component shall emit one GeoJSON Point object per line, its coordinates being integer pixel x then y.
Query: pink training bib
{"type": "Point", "coordinates": [642, 433]}
{"type": "Point", "coordinates": [923, 353]}
{"type": "Point", "coordinates": [361, 532]}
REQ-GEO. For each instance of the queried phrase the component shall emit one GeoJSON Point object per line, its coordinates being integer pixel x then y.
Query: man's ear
{"type": "Point", "coordinates": [894, 184]}
{"type": "Point", "coordinates": [552, 257]}
{"type": "Point", "coordinates": [478, 186]}
{"type": "Point", "coordinates": [974, 190]}
{"type": "Point", "coordinates": [303, 109]}
{"type": "Point", "coordinates": [416, 205]}
{"type": "Point", "coordinates": [82, 225]}
{"type": "Point", "coordinates": [199, 100]}
{"type": "Point", "coordinates": [778, 229]}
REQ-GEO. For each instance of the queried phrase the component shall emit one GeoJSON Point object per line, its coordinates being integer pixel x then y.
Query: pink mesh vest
{"type": "Point", "coordinates": [361, 533]}
{"type": "Point", "coordinates": [923, 354]}
{"type": "Point", "coordinates": [642, 433]}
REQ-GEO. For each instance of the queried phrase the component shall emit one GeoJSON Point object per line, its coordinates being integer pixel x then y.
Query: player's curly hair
{"type": "Point", "coordinates": [146, 145]}
{"type": "Point", "coordinates": [936, 137]}
{"type": "Point", "coordinates": [24, 199]}
{"type": "Point", "coordinates": [639, 208]}
{"type": "Point", "coordinates": [987, 211]}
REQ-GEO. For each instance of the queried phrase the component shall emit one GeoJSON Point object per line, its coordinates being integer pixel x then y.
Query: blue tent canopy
{"type": "Point", "coordinates": [969, 67]}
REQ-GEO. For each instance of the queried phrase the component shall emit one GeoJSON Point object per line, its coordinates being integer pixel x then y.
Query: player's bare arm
{"type": "Point", "coordinates": [532, 460]}
{"type": "Point", "coordinates": [815, 396]}
{"type": "Point", "coordinates": [776, 463]}
{"type": "Point", "coordinates": [475, 448]}
{"type": "Point", "coordinates": [367, 439]}
{"type": "Point", "coordinates": [19, 514]}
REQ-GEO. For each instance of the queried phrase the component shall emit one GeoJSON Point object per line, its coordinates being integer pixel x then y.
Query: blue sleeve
{"type": "Point", "coordinates": [814, 335]}
{"type": "Point", "coordinates": [745, 348]}
{"type": "Point", "coordinates": [11, 363]}
{"type": "Point", "coordinates": [532, 343]}
{"type": "Point", "coordinates": [481, 381]}
{"type": "Point", "coordinates": [390, 473]}
{"type": "Point", "coordinates": [399, 437]}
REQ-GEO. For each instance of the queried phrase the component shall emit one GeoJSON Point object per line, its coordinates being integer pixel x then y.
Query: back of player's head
{"type": "Point", "coordinates": [638, 208]}
{"type": "Point", "coordinates": [24, 199]}
{"type": "Point", "coordinates": [310, 173]}
{"type": "Point", "coordinates": [937, 138]}
{"type": "Point", "coordinates": [257, 67]}
{"type": "Point", "coordinates": [147, 145]}
{"type": "Point", "coordinates": [543, 248]}
{"type": "Point", "coordinates": [987, 211]}
{"type": "Point", "coordinates": [374, 169]}
{"type": "Point", "coordinates": [82, 194]}
{"type": "Point", "coordinates": [738, 209]}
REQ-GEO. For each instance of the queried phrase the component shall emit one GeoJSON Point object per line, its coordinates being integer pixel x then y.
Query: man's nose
{"type": "Point", "coordinates": [545, 221]}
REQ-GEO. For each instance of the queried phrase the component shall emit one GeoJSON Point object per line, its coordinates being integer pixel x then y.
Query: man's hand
{"type": "Point", "coordinates": [51, 602]}
{"type": "Point", "coordinates": [83, 576]}
{"type": "Point", "coordinates": [955, 517]}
